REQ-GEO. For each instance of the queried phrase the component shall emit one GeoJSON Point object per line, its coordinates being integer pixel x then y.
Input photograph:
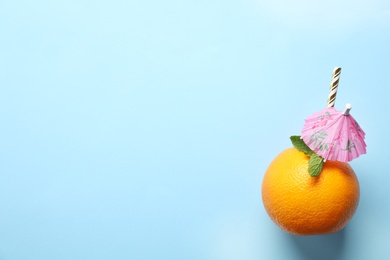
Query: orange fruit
{"type": "Point", "coordinates": [304, 205]}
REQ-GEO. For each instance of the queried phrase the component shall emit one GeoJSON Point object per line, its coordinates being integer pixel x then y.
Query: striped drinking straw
{"type": "Point", "coordinates": [333, 86]}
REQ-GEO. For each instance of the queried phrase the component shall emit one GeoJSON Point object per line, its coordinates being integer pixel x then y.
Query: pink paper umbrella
{"type": "Point", "coordinates": [334, 135]}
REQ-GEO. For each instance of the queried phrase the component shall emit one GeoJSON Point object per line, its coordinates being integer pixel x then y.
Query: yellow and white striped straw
{"type": "Point", "coordinates": [333, 86]}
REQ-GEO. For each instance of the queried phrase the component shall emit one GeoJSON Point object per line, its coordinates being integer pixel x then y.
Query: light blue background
{"type": "Point", "coordinates": [142, 129]}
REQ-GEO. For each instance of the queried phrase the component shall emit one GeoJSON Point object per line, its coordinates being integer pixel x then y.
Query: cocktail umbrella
{"type": "Point", "coordinates": [332, 134]}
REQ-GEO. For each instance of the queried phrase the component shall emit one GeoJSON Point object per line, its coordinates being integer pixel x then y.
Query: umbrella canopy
{"type": "Point", "coordinates": [334, 135]}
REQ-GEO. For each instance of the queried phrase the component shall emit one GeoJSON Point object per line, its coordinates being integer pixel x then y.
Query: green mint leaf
{"type": "Point", "coordinates": [316, 163]}
{"type": "Point", "coordinates": [299, 144]}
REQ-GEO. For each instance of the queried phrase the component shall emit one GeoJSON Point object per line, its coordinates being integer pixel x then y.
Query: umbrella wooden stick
{"type": "Point", "coordinates": [333, 86]}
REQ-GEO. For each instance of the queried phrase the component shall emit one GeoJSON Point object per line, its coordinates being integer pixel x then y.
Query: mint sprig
{"type": "Point", "coordinates": [316, 162]}
{"type": "Point", "coordinates": [300, 145]}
